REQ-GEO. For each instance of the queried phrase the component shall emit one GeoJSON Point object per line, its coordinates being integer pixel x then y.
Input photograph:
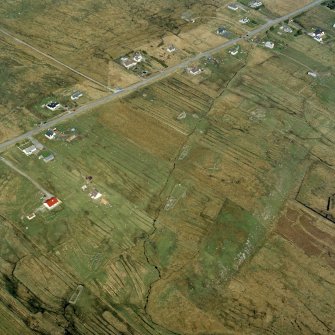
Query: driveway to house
{"type": "Point", "coordinates": [163, 74]}
{"type": "Point", "coordinates": [35, 183]}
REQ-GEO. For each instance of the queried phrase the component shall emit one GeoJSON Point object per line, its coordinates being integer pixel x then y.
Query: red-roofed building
{"type": "Point", "coordinates": [51, 203]}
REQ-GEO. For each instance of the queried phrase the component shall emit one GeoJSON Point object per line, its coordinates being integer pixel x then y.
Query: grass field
{"type": "Point", "coordinates": [210, 219]}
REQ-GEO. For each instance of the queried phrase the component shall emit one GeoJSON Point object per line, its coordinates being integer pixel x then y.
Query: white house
{"type": "Point", "coordinates": [269, 44]}
{"type": "Point", "coordinates": [29, 150]}
{"type": "Point", "coordinates": [312, 74]}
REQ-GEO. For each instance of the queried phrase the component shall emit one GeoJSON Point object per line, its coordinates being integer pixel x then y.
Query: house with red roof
{"type": "Point", "coordinates": [51, 203]}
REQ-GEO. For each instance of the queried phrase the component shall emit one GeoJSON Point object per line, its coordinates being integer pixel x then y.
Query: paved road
{"type": "Point", "coordinates": [156, 77]}
{"type": "Point", "coordinates": [35, 183]}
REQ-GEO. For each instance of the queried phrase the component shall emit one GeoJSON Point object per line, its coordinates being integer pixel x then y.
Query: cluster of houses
{"type": "Point", "coordinates": [318, 35]}
{"type": "Point", "coordinates": [69, 136]}
{"type": "Point", "coordinates": [131, 62]}
{"type": "Point", "coordinates": [234, 7]}
{"type": "Point", "coordinates": [50, 203]}
{"type": "Point", "coordinates": [94, 194]}
{"type": "Point", "coordinates": [35, 148]}
{"type": "Point", "coordinates": [55, 105]}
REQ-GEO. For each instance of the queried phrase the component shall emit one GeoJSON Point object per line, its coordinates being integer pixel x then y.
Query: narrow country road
{"type": "Point", "coordinates": [163, 74]}
{"type": "Point", "coordinates": [35, 183]}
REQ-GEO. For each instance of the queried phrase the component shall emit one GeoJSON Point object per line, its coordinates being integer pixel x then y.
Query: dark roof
{"type": "Point", "coordinates": [52, 104]}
